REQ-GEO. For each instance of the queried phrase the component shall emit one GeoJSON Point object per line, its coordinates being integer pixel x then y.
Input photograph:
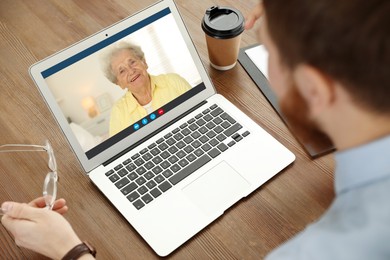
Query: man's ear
{"type": "Point", "coordinates": [315, 87]}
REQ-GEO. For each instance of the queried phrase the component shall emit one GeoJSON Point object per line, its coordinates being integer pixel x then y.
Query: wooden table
{"type": "Point", "coordinates": [33, 30]}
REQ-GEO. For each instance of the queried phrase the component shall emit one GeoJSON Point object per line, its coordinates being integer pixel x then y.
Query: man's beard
{"type": "Point", "coordinates": [296, 112]}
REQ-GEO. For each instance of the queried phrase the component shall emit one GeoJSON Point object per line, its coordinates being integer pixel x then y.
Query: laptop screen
{"type": "Point", "coordinates": [126, 82]}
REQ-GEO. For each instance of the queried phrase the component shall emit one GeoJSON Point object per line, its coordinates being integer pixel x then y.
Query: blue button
{"type": "Point", "coordinates": [144, 121]}
{"type": "Point", "coordinates": [152, 116]}
{"type": "Point", "coordinates": [136, 126]}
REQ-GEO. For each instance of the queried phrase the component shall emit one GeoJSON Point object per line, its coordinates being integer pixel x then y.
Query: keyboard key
{"type": "Point", "coordinates": [200, 122]}
{"type": "Point", "coordinates": [155, 192]}
{"type": "Point", "coordinates": [214, 106]}
{"type": "Point", "coordinates": [147, 157]}
{"type": "Point", "coordinates": [114, 177]}
{"type": "Point", "coordinates": [141, 180]}
{"type": "Point", "coordinates": [232, 129]}
{"type": "Point", "coordinates": [167, 173]}
{"type": "Point", "coordinates": [195, 135]}
{"type": "Point", "coordinates": [198, 116]}
{"type": "Point", "coordinates": [163, 146]}
{"type": "Point", "coordinates": [207, 118]}
{"type": "Point", "coordinates": [147, 198]}
{"type": "Point", "coordinates": [183, 163]}
{"type": "Point", "coordinates": [171, 141]}
{"type": "Point", "coordinates": [159, 178]}
{"type": "Point", "coordinates": [204, 139]}
{"type": "Point", "coordinates": [206, 147]}
{"type": "Point", "coordinates": [176, 130]}
{"type": "Point", "coordinates": [127, 161]}
{"type": "Point", "coordinates": [226, 124]}
{"type": "Point", "coordinates": [185, 132]}
{"type": "Point", "coordinates": [173, 149]}
{"type": "Point", "coordinates": [151, 184]}
{"type": "Point", "coordinates": [116, 168]}
{"type": "Point", "coordinates": [206, 111]}
{"type": "Point", "coordinates": [138, 204]}
{"type": "Point", "coordinates": [246, 133]}
{"type": "Point", "coordinates": [132, 176]}
{"type": "Point", "coordinates": [129, 188]}
{"type": "Point", "coordinates": [143, 151]}
{"type": "Point", "coordinates": [155, 151]}
{"type": "Point", "coordinates": [191, 157]}
{"type": "Point", "coordinates": [193, 127]}
{"type": "Point", "coordinates": [188, 139]}
{"type": "Point", "coordinates": [157, 170]}
{"type": "Point", "coordinates": [185, 172]}
{"type": "Point", "coordinates": [160, 140]}
{"type": "Point", "coordinates": [165, 155]}
{"type": "Point", "coordinates": [196, 144]}
{"type": "Point", "coordinates": [175, 168]}
{"type": "Point", "coordinates": [191, 121]}
{"type": "Point", "coordinates": [188, 148]}
{"type": "Point", "coordinates": [216, 112]}
{"type": "Point", "coordinates": [214, 153]}
{"type": "Point", "coordinates": [198, 152]}
{"type": "Point", "coordinates": [184, 125]}
{"type": "Point", "coordinates": [180, 144]}
{"type": "Point", "coordinates": [173, 159]}
{"type": "Point", "coordinates": [228, 118]}
{"type": "Point", "coordinates": [139, 162]}
{"type": "Point", "coordinates": [167, 135]}
{"type": "Point", "coordinates": [133, 196]}
{"type": "Point", "coordinates": [214, 142]}
{"type": "Point", "coordinates": [149, 165]}
{"type": "Point", "coordinates": [222, 147]}
{"type": "Point", "coordinates": [122, 172]}
{"type": "Point", "coordinates": [221, 137]}
{"type": "Point", "coordinates": [149, 175]}
{"type": "Point", "coordinates": [203, 130]}
{"type": "Point", "coordinates": [120, 184]}
{"type": "Point", "coordinates": [165, 186]}
{"type": "Point", "coordinates": [140, 170]}
{"type": "Point", "coordinates": [152, 146]}
{"type": "Point", "coordinates": [109, 172]}
{"type": "Point", "coordinates": [135, 156]}
{"type": "Point", "coordinates": [178, 136]}
{"type": "Point", "coordinates": [217, 120]}
{"type": "Point", "coordinates": [142, 190]}
{"type": "Point", "coordinates": [131, 167]}
{"type": "Point", "coordinates": [218, 129]}
{"type": "Point", "coordinates": [231, 143]}
{"type": "Point", "coordinates": [180, 154]}
{"type": "Point", "coordinates": [157, 160]}
{"type": "Point", "coordinates": [165, 164]}
{"type": "Point", "coordinates": [211, 134]}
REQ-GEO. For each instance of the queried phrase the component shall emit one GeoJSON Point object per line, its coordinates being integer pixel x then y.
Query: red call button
{"type": "Point", "coordinates": [160, 111]}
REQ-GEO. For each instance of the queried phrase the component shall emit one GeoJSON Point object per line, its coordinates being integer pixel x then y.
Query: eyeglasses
{"type": "Point", "coordinates": [50, 183]}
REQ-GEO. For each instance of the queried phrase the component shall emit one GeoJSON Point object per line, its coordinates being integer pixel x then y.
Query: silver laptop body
{"type": "Point", "coordinates": [206, 184]}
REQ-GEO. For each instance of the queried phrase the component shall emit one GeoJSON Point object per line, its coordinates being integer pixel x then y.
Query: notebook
{"type": "Point", "coordinates": [174, 168]}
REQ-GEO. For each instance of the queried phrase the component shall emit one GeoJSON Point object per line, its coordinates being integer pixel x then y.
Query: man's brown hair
{"type": "Point", "coordinates": [346, 40]}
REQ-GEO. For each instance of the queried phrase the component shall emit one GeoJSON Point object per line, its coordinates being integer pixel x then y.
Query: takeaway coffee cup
{"type": "Point", "coordinates": [223, 27]}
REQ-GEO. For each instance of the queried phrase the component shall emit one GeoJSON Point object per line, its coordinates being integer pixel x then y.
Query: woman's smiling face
{"type": "Point", "coordinates": [130, 71]}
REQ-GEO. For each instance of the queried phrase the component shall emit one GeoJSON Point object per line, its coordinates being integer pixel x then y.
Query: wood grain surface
{"type": "Point", "coordinates": [33, 30]}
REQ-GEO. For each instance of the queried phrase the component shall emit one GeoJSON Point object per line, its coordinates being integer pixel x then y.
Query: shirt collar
{"type": "Point", "coordinates": [362, 165]}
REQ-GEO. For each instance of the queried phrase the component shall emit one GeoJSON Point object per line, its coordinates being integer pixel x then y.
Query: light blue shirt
{"type": "Point", "coordinates": [357, 224]}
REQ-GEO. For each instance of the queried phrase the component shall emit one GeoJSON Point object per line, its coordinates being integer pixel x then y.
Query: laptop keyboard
{"type": "Point", "coordinates": [156, 168]}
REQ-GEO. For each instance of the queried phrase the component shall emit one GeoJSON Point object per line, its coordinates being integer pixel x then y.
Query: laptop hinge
{"type": "Point", "coordinates": [131, 147]}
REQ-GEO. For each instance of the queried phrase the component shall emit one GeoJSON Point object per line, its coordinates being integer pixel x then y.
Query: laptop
{"type": "Point", "coordinates": [179, 167]}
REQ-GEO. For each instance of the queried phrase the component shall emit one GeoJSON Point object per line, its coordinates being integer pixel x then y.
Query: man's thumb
{"type": "Point", "coordinates": [17, 210]}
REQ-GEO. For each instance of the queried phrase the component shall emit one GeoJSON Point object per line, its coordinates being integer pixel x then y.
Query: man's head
{"type": "Point", "coordinates": [323, 50]}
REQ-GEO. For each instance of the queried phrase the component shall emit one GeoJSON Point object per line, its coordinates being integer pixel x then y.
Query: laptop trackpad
{"type": "Point", "coordinates": [217, 189]}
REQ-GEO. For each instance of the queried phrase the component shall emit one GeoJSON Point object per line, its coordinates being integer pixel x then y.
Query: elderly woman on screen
{"type": "Point", "coordinates": [125, 66]}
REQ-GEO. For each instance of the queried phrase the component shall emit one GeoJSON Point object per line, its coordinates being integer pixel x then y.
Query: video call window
{"type": "Point", "coordinates": [93, 103]}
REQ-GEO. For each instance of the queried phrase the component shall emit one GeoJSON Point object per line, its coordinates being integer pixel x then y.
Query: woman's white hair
{"type": "Point", "coordinates": [106, 57]}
